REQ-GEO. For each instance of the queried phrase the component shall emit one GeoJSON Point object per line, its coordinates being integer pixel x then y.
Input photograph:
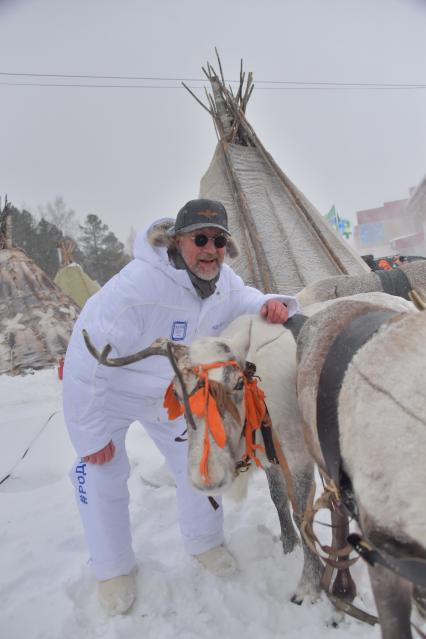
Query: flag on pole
{"type": "Point", "coordinates": [341, 225]}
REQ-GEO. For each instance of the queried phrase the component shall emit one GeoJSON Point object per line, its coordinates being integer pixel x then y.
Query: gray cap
{"type": "Point", "coordinates": [199, 214]}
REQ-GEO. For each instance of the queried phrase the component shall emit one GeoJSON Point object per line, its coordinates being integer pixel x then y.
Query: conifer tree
{"type": "Point", "coordinates": [23, 230]}
{"type": "Point", "coordinates": [47, 239]}
{"type": "Point", "coordinates": [103, 253]}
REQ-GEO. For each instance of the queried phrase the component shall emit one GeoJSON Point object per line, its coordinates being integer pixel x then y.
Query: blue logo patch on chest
{"type": "Point", "coordinates": [219, 326]}
{"type": "Point", "coordinates": [178, 331]}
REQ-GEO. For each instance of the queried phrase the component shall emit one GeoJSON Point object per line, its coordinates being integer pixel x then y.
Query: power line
{"type": "Point", "coordinates": [290, 83]}
{"type": "Point", "coordinates": [198, 88]}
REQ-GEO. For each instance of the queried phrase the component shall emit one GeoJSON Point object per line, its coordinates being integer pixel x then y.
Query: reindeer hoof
{"type": "Point", "coordinates": [336, 619]}
{"type": "Point", "coordinates": [419, 596]}
{"type": "Point", "coordinates": [297, 599]}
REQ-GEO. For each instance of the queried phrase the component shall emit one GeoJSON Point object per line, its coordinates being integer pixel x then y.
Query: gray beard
{"type": "Point", "coordinates": [203, 288]}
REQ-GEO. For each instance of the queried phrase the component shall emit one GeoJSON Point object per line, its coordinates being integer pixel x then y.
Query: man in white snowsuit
{"type": "Point", "coordinates": [178, 287]}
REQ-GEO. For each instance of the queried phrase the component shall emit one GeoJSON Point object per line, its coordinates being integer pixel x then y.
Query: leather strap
{"type": "Point", "coordinates": [354, 335]}
{"type": "Point", "coordinates": [295, 324]}
{"type": "Point", "coordinates": [395, 282]}
{"type": "Point", "coordinates": [214, 504]}
{"type": "Point", "coordinates": [411, 568]}
{"type": "Point", "coordinates": [266, 431]}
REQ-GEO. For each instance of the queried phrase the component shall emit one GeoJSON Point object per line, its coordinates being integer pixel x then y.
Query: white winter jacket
{"type": "Point", "coordinates": [147, 299]}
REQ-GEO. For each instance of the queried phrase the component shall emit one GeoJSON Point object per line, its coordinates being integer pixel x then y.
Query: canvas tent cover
{"type": "Point", "coordinates": [283, 220]}
{"type": "Point", "coordinates": [285, 242]}
{"type": "Point", "coordinates": [73, 281]}
{"type": "Point", "coordinates": [36, 317]}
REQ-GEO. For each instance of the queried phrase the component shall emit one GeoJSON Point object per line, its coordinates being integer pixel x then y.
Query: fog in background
{"type": "Point", "coordinates": [132, 154]}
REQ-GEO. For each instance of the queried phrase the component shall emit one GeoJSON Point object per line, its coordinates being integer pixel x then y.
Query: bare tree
{"type": "Point", "coordinates": [61, 216]}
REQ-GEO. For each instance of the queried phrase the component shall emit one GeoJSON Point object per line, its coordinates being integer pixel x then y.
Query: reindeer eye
{"type": "Point", "coordinates": [239, 385]}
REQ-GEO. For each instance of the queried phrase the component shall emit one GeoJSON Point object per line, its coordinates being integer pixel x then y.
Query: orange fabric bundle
{"type": "Point", "coordinates": [172, 404]}
{"type": "Point", "coordinates": [255, 414]}
{"type": "Point", "coordinates": [203, 404]}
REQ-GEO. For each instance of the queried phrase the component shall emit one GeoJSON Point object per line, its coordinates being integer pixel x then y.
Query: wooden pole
{"type": "Point", "coordinates": [199, 101]}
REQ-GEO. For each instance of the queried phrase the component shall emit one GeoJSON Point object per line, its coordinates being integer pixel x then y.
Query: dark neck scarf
{"type": "Point", "coordinates": [203, 288]}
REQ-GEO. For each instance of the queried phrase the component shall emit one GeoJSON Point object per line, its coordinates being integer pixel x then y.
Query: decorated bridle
{"type": "Point", "coordinates": [209, 400]}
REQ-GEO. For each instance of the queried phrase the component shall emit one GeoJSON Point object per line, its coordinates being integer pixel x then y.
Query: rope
{"type": "Point", "coordinates": [30, 445]}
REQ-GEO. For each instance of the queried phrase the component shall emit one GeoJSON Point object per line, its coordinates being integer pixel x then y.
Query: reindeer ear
{"type": "Point", "coordinates": [232, 249]}
{"type": "Point", "coordinates": [237, 335]}
{"type": "Point", "coordinates": [181, 355]}
{"type": "Point", "coordinates": [179, 351]}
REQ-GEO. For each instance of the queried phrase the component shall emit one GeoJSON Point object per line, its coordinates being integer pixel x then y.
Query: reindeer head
{"type": "Point", "coordinates": [213, 390]}
{"type": "Point", "coordinates": [217, 404]}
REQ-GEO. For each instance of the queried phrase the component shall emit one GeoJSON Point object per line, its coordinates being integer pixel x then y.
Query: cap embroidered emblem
{"type": "Point", "coordinates": [208, 213]}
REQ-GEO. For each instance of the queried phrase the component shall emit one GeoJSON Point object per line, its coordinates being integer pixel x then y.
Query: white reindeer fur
{"type": "Point", "coordinates": [382, 427]}
{"type": "Point", "coordinates": [248, 338]}
{"type": "Point", "coordinates": [339, 286]}
{"type": "Point", "coordinates": [264, 344]}
{"type": "Point", "coordinates": [221, 462]}
{"type": "Point", "coordinates": [273, 349]}
{"type": "Point", "coordinates": [382, 419]}
{"type": "Point", "coordinates": [381, 444]}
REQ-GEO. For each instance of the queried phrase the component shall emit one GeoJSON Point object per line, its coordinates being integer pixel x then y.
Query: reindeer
{"type": "Point", "coordinates": [399, 281]}
{"type": "Point", "coordinates": [363, 410]}
{"type": "Point", "coordinates": [221, 363]}
{"type": "Point", "coordinates": [221, 447]}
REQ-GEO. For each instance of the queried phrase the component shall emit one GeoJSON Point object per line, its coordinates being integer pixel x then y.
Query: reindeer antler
{"type": "Point", "coordinates": [157, 348]}
{"type": "Point", "coordinates": [160, 346]}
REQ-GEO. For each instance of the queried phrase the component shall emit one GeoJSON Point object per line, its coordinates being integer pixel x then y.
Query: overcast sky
{"type": "Point", "coordinates": [133, 154]}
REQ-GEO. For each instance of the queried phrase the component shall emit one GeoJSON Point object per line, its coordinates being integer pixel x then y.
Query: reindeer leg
{"type": "Point", "coordinates": [419, 596]}
{"type": "Point", "coordinates": [393, 601]}
{"type": "Point", "coordinates": [278, 491]}
{"type": "Point", "coordinates": [310, 581]}
{"type": "Point", "coordinates": [344, 586]}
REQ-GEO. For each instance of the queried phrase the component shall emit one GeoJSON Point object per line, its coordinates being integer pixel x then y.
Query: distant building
{"type": "Point", "coordinates": [393, 228]}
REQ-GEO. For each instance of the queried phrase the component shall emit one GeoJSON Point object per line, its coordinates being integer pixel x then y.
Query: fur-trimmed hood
{"type": "Point", "coordinates": [158, 236]}
{"type": "Point", "coordinates": [151, 246]}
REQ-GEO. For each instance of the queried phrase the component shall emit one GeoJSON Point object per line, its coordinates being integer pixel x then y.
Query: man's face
{"type": "Point", "coordinates": [204, 261]}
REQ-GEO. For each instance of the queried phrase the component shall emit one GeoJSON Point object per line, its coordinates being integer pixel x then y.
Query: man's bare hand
{"type": "Point", "coordinates": [102, 456]}
{"type": "Point", "coordinates": [274, 312]}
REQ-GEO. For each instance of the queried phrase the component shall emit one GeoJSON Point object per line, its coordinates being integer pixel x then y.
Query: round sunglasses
{"type": "Point", "coordinates": [201, 240]}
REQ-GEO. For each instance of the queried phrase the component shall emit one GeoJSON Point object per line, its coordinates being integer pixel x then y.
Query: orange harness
{"type": "Point", "coordinates": [203, 404]}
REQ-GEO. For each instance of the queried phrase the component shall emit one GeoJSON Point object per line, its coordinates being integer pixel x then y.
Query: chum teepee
{"type": "Point", "coordinates": [72, 279]}
{"type": "Point", "coordinates": [36, 318]}
{"type": "Point", "coordinates": [285, 242]}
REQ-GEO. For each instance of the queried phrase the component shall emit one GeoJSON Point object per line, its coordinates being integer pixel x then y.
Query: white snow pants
{"type": "Point", "coordinates": [103, 500]}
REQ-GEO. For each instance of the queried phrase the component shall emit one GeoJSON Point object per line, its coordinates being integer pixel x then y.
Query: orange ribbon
{"type": "Point", "coordinates": [203, 404]}
{"type": "Point", "coordinates": [255, 414]}
{"type": "Point", "coordinates": [171, 403]}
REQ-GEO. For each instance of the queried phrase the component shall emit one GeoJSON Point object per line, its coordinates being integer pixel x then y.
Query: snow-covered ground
{"type": "Point", "coordinates": [47, 591]}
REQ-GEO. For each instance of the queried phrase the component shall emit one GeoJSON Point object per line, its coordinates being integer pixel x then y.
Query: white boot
{"type": "Point", "coordinates": [218, 561]}
{"type": "Point", "coordinates": [116, 595]}
{"type": "Point", "coordinates": [159, 477]}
